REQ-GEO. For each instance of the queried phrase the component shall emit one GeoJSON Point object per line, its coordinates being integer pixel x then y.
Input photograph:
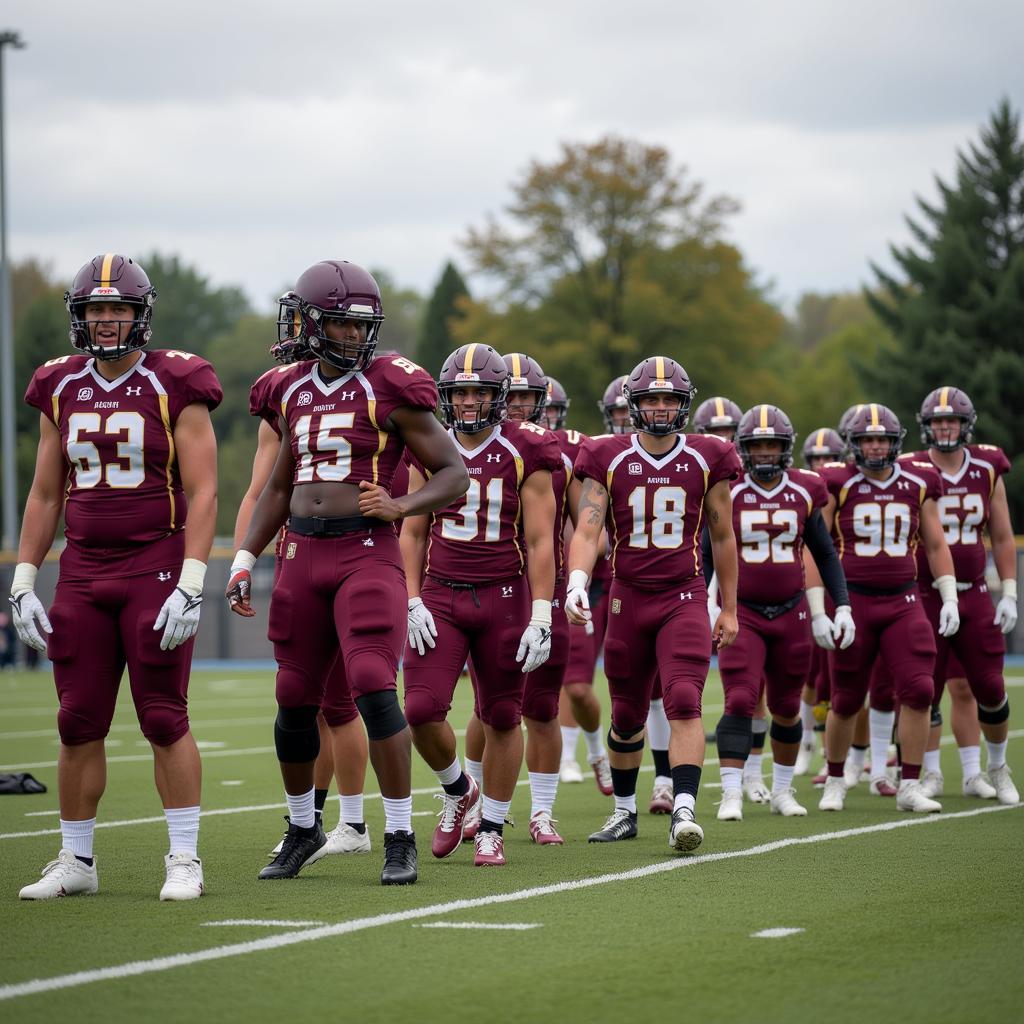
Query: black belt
{"type": "Point", "coordinates": [857, 588]}
{"type": "Point", "coordinates": [454, 585]}
{"type": "Point", "coordinates": [773, 611]}
{"type": "Point", "coordinates": [314, 526]}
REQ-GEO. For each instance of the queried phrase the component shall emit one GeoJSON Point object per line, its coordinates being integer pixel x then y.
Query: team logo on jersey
{"type": "Point", "coordinates": [494, 456]}
{"type": "Point", "coordinates": [910, 598]}
{"type": "Point", "coordinates": [682, 467]}
{"type": "Point", "coordinates": [616, 605]}
{"type": "Point", "coordinates": [129, 390]}
{"type": "Point", "coordinates": [750, 499]}
{"type": "Point", "coordinates": [864, 489]}
{"type": "Point", "coordinates": [506, 591]}
{"type": "Point", "coordinates": [163, 577]}
{"type": "Point", "coordinates": [903, 485]}
{"type": "Point", "coordinates": [802, 616]}
{"type": "Point", "coordinates": [635, 469]}
{"type": "Point", "coordinates": [290, 550]}
{"type": "Point", "coordinates": [84, 394]}
{"type": "Point", "coordinates": [305, 398]}
{"type": "Point", "coordinates": [790, 496]}
{"type": "Point", "coordinates": [975, 474]}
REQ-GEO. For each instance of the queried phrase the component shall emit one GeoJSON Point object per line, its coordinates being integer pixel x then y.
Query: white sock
{"type": "Point", "coordinates": [183, 829]}
{"type": "Point", "coordinates": [732, 778]}
{"type": "Point", "coordinates": [996, 754]}
{"type": "Point", "coordinates": [595, 745]}
{"type": "Point", "coordinates": [880, 727]}
{"type": "Point", "coordinates": [300, 809]}
{"type": "Point", "coordinates": [626, 803]}
{"type": "Point", "coordinates": [450, 774]}
{"type": "Point", "coordinates": [496, 810]}
{"type": "Point", "coordinates": [76, 836]}
{"type": "Point", "coordinates": [475, 770]}
{"type": "Point", "coordinates": [970, 761]}
{"type": "Point", "coordinates": [855, 758]}
{"type": "Point", "coordinates": [931, 761]}
{"type": "Point", "coordinates": [687, 800]}
{"type": "Point", "coordinates": [807, 720]}
{"type": "Point", "coordinates": [782, 776]}
{"type": "Point", "coordinates": [398, 814]}
{"type": "Point", "coordinates": [351, 808]}
{"type": "Point", "coordinates": [752, 768]}
{"type": "Point", "coordinates": [543, 790]}
{"type": "Point", "coordinates": [659, 732]}
{"type": "Point", "coordinates": [570, 737]}
{"type": "Point", "coordinates": [662, 780]}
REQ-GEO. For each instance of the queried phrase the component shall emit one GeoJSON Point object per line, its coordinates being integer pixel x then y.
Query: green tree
{"type": "Point", "coordinates": [403, 313]}
{"type": "Point", "coordinates": [446, 306]}
{"type": "Point", "coordinates": [957, 310]}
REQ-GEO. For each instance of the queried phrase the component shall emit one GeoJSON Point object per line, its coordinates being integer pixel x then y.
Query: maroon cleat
{"type": "Point", "coordinates": [882, 787]}
{"type": "Point", "coordinates": [474, 816]}
{"type": "Point", "coordinates": [490, 850]}
{"type": "Point", "coordinates": [449, 830]}
{"type": "Point", "coordinates": [542, 830]}
{"type": "Point", "coordinates": [603, 774]}
{"type": "Point", "coordinates": [662, 799]}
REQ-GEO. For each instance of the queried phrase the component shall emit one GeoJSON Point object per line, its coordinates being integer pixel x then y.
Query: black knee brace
{"type": "Point", "coordinates": [936, 715]}
{"type": "Point", "coordinates": [381, 713]}
{"type": "Point", "coordinates": [296, 735]}
{"type": "Point", "coordinates": [625, 745]}
{"type": "Point", "coordinates": [734, 736]}
{"type": "Point", "coordinates": [994, 716]}
{"type": "Point", "coordinates": [786, 733]}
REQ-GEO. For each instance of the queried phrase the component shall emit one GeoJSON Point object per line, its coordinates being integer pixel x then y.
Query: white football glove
{"type": "Point", "coordinates": [178, 618]}
{"type": "Point", "coordinates": [843, 629]}
{"type": "Point", "coordinates": [535, 645]}
{"type": "Point", "coordinates": [949, 618]}
{"type": "Point", "coordinates": [421, 626]}
{"type": "Point", "coordinates": [1006, 614]}
{"type": "Point", "coordinates": [824, 631]}
{"type": "Point", "coordinates": [577, 600]}
{"type": "Point", "coordinates": [29, 617]}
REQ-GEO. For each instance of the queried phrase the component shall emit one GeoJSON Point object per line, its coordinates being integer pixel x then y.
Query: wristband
{"type": "Point", "coordinates": [243, 562]}
{"type": "Point", "coordinates": [541, 614]}
{"type": "Point", "coordinates": [946, 586]}
{"type": "Point", "coordinates": [578, 580]}
{"type": "Point", "coordinates": [193, 576]}
{"type": "Point", "coordinates": [1009, 588]}
{"type": "Point", "coordinates": [816, 600]}
{"type": "Point", "coordinates": [25, 578]}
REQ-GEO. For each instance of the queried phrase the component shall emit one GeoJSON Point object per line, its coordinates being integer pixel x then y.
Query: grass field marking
{"type": "Point", "coordinates": [41, 814]}
{"type": "Point", "coordinates": [245, 923]}
{"type": "Point", "coordinates": [129, 758]}
{"type": "Point", "coordinates": [473, 925]}
{"type": "Point", "coordinates": [776, 933]}
{"type": "Point", "coordinates": [234, 703]}
{"type": "Point", "coordinates": [168, 963]}
{"type": "Point", "coordinates": [212, 723]}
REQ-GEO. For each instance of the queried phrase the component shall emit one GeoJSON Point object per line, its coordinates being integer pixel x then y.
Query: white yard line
{"type": "Point", "coordinates": [168, 963]}
{"type": "Point", "coordinates": [479, 925]}
{"type": "Point", "coordinates": [210, 724]}
{"type": "Point", "coordinates": [129, 758]}
{"type": "Point", "coordinates": [261, 924]}
{"type": "Point", "coordinates": [776, 933]}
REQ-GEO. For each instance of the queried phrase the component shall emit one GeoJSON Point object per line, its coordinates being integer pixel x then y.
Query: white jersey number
{"type": "Point", "coordinates": [881, 528]}
{"type": "Point", "coordinates": [470, 514]}
{"type": "Point", "coordinates": [128, 469]}
{"type": "Point", "coordinates": [961, 529]}
{"type": "Point", "coordinates": [758, 545]}
{"type": "Point", "coordinates": [665, 529]}
{"type": "Point", "coordinates": [326, 440]}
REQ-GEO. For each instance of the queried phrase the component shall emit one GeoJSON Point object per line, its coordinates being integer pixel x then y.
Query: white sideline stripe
{"type": "Point", "coordinates": [235, 702]}
{"type": "Point", "coordinates": [479, 925]}
{"type": "Point", "coordinates": [242, 923]}
{"type": "Point", "coordinates": [213, 723]}
{"type": "Point", "coordinates": [776, 933]}
{"type": "Point", "coordinates": [128, 758]}
{"type": "Point", "coordinates": [168, 963]}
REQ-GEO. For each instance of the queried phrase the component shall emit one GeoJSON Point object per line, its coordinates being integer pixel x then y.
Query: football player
{"type": "Point", "coordinates": [615, 409]}
{"type": "Point", "coordinates": [719, 416]}
{"type": "Point", "coordinates": [481, 577]}
{"type": "Point", "coordinates": [654, 489]}
{"type": "Point", "coordinates": [556, 405]}
{"type": "Point", "coordinates": [776, 511]}
{"type": "Point", "coordinates": [345, 423]}
{"type": "Point", "coordinates": [127, 453]}
{"type": "Point", "coordinates": [974, 500]}
{"type": "Point", "coordinates": [879, 510]}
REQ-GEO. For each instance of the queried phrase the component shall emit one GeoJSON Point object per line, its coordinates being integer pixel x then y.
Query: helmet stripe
{"type": "Point", "coordinates": [467, 366]}
{"type": "Point", "coordinates": [819, 441]}
{"type": "Point", "coordinates": [764, 416]}
{"type": "Point", "coordinates": [517, 369]}
{"type": "Point", "coordinates": [108, 262]}
{"type": "Point", "coordinates": [874, 415]}
{"type": "Point", "coordinates": [659, 367]}
{"type": "Point", "coordinates": [944, 397]}
{"type": "Point", "coordinates": [719, 407]}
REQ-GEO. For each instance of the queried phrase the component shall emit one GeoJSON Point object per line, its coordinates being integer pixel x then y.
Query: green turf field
{"type": "Point", "coordinates": [902, 917]}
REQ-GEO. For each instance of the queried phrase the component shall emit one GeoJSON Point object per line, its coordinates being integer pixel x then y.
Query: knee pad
{"type": "Point", "coordinates": [381, 713]}
{"type": "Point", "coordinates": [370, 672]}
{"type": "Point", "coordinates": [421, 708]}
{"type": "Point", "coordinates": [917, 692]}
{"type": "Point", "coordinates": [74, 729]}
{"type": "Point", "coordinates": [502, 714]}
{"type": "Point", "coordinates": [786, 733]}
{"type": "Point", "coordinates": [628, 742]}
{"type": "Point", "coordinates": [163, 724]}
{"type": "Point", "coordinates": [294, 689]}
{"type": "Point", "coordinates": [628, 716]}
{"type": "Point", "coordinates": [296, 735]}
{"type": "Point", "coordinates": [936, 715]}
{"type": "Point", "coordinates": [541, 706]}
{"type": "Point", "coordinates": [734, 736]}
{"type": "Point", "coordinates": [994, 716]}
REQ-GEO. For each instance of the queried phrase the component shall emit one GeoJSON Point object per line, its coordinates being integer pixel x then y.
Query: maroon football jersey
{"type": "Point", "coordinates": [964, 507]}
{"type": "Point", "coordinates": [769, 527]}
{"type": "Point", "coordinates": [479, 537]}
{"type": "Point", "coordinates": [338, 427]}
{"type": "Point", "coordinates": [656, 504]}
{"type": "Point", "coordinates": [265, 394]}
{"type": "Point", "coordinates": [570, 441]}
{"type": "Point", "coordinates": [118, 440]}
{"type": "Point", "coordinates": [876, 522]}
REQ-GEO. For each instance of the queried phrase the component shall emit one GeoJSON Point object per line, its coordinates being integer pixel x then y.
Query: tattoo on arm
{"type": "Point", "coordinates": [593, 501]}
{"type": "Point", "coordinates": [713, 515]}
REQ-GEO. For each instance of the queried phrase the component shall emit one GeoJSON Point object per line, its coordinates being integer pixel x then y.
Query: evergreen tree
{"type": "Point", "coordinates": [958, 312]}
{"type": "Point", "coordinates": [435, 340]}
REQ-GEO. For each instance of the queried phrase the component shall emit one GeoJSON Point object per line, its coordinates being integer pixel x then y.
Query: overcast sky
{"type": "Point", "coordinates": [254, 138]}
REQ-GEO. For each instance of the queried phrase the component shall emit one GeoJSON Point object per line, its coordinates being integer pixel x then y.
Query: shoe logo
{"type": "Point", "coordinates": [163, 577]}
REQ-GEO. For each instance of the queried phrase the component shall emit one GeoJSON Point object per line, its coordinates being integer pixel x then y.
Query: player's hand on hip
{"type": "Point", "coordinates": [726, 628]}
{"type": "Point", "coordinates": [30, 619]}
{"type": "Point", "coordinates": [422, 630]}
{"type": "Point", "coordinates": [375, 501]}
{"type": "Point", "coordinates": [949, 618]}
{"type": "Point", "coordinates": [178, 618]}
{"type": "Point", "coordinates": [844, 631]}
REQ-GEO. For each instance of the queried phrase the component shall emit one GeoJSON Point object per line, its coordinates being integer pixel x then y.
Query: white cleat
{"type": "Point", "coordinates": [804, 756]}
{"type": "Point", "coordinates": [570, 771]}
{"type": "Point", "coordinates": [731, 806]}
{"type": "Point", "coordinates": [184, 877]}
{"type": "Point", "coordinates": [834, 795]}
{"type": "Point", "coordinates": [979, 786]}
{"type": "Point", "coordinates": [1006, 791]}
{"type": "Point", "coordinates": [345, 839]}
{"type": "Point", "coordinates": [851, 774]}
{"type": "Point", "coordinates": [685, 834]}
{"type": "Point", "coordinates": [755, 790]}
{"type": "Point", "coordinates": [911, 798]}
{"type": "Point", "coordinates": [932, 784]}
{"type": "Point", "coordinates": [785, 803]}
{"type": "Point", "coordinates": [65, 876]}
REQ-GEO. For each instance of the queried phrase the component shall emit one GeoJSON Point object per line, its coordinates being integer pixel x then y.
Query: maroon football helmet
{"type": "Point", "coordinates": [614, 399]}
{"type": "Point", "coordinates": [765, 423]}
{"type": "Point", "coordinates": [110, 278]}
{"type": "Point", "coordinates": [557, 405]}
{"type": "Point", "coordinates": [332, 290]}
{"type": "Point", "coordinates": [474, 366]}
{"type": "Point", "coordinates": [716, 416]}
{"type": "Point", "coordinates": [823, 443]}
{"type": "Point", "coordinates": [527, 377]}
{"type": "Point", "coordinates": [874, 421]}
{"type": "Point", "coordinates": [658, 375]}
{"type": "Point", "coordinates": [942, 403]}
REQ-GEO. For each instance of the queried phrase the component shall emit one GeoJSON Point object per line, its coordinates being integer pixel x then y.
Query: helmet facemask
{"type": "Point", "coordinates": [761, 467]}
{"type": "Point", "coordinates": [83, 332]}
{"type": "Point", "coordinates": [647, 420]}
{"type": "Point", "coordinates": [966, 435]}
{"type": "Point", "coordinates": [883, 462]}
{"type": "Point", "coordinates": [452, 415]}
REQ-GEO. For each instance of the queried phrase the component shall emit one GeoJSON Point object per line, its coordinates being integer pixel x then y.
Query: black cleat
{"type": "Point", "coordinates": [621, 825]}
{"type": "Point", "coordinates": [399, 859]}
{"type": "Point", "coordinates": [299, 847]}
